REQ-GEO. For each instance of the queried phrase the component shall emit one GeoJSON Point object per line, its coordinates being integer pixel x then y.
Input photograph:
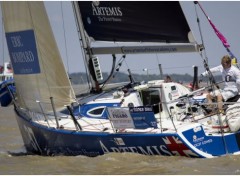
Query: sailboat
{"type": "Point", "coordinates": [156, 118]}
{"type": "Point", "coordinates": [6, 72]}
{"type": "Point", "coordinates": [6, 84]}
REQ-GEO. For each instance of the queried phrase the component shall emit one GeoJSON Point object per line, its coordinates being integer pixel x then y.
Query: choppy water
{"type": "Point", "coordinates": [14, 161]}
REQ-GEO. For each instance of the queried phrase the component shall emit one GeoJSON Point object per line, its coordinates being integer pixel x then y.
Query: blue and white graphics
{"type": "Point", "coordinates": [23, 52]}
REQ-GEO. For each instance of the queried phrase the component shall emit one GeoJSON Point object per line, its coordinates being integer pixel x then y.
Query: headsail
{"type": "Point", "coordinates": [39, 72]}
{"type": "Point", "coordinates": [137, 21]}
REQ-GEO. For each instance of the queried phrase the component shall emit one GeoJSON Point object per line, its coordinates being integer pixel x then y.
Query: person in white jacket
{"type": "Point", "coordinates": [231, 77]}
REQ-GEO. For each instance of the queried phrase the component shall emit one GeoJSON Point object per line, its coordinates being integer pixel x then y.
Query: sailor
{"type": "Point", "coordinates": [231, 78]}
{"type": "Point", "coordinates": [168, 79]}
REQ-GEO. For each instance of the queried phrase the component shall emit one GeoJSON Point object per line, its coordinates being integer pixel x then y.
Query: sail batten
{"type": "Point", "coordinates": [39, 72]}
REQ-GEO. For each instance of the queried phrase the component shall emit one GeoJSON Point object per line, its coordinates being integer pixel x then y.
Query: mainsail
{"type": "Point", "coordinates": [39, 72]}
{"type": "Point", "coordinates": [137, 21]}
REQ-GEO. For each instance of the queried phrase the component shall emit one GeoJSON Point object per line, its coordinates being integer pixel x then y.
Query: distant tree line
{"type": "Point", "coordinates": [81, 78]}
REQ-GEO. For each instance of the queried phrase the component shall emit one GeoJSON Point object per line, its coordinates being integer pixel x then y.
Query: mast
{"type": "Point", "coordinates": [86, 48]}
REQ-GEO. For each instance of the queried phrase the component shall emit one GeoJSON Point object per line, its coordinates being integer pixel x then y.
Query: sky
{"type": "Point", "coordinates": [224, 14]}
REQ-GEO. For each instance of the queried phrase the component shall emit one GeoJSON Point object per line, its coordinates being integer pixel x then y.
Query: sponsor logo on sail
{"type": "Point", "coordinates": [23, 52]}
{"type": "Point", "coordinates": [106, 11]}
{"type": "Point", "coordinates": [105, 14]}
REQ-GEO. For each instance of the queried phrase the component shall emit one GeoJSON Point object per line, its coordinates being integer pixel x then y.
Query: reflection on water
{"type": "Point", "coordinates": [14, 160]}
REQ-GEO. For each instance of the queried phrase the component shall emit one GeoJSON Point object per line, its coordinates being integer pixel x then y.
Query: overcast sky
{"type": "Point", "coordinates": [225, 15]}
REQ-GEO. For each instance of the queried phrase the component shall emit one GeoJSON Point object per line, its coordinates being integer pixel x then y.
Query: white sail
{"type": "Point", "coordinates": [39, 72]}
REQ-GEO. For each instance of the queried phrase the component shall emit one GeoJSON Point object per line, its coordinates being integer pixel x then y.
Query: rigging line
{"type": "Point", "coordinates": [219, 35]}
{"type": "Point", "coordinates": [177, 67]}
{"type": "Point", "coordinates": [116, 68]}
{"type": "Point", "coordinates": [2, 39]}
{"type": "Point", "coordinates": [212, 80]}
{"type": "Point", "coordinates": [126, 63]}
{"type": "Point", "coordinates": [65, 40]}
{"type": "Point", "coordinates": [200, 31]}
{"type": "Point", "coordinates": [119, 64]}
{"type": "Point", "coordinates": [205, 60]}
{"type": "Point", "coordinates": [157, 58]}
{"type": "Point", "coordinates": [81, 44]}
{"type": "Point", "coordinates": [159, 67]}
{"type": "Point", "coordinates": [111, 72]}
{"type": "Point", "coordinates": [123, 58]}
{"type": "Point", "coordinates": [128, 69]}
{"type": "Point", "coordinates": [183, 67]}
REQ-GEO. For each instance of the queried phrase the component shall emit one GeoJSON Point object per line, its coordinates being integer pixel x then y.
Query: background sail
{"type": "Point", "coordinates": [38, 69]}
{"type": "Point", "coordinates": [135, 21]}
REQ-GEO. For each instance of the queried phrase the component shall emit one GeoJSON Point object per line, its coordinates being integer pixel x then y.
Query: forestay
{"type": "Point", "coordinates": [38, 69]}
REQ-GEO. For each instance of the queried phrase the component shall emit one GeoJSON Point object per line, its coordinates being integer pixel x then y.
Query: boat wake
{"type": "Point", "coordinates": [18, 152]}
